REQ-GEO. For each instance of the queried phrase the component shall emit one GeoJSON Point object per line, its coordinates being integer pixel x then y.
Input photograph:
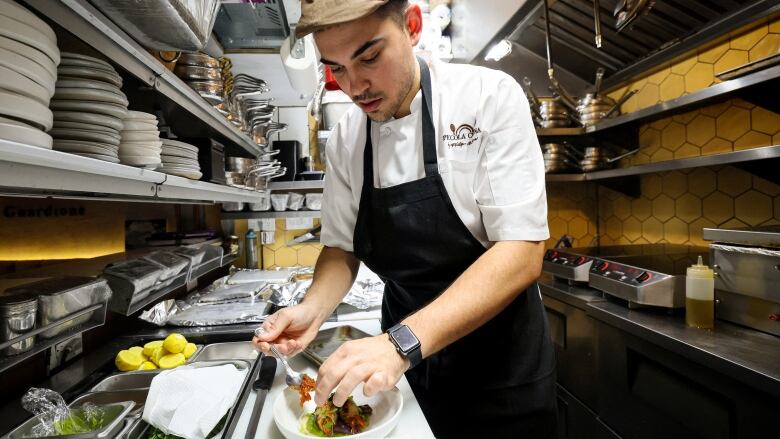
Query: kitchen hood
{"type": "Point", "coordinates": [256, 24]}
{"type": "Point", "coordinates": [657, 33]}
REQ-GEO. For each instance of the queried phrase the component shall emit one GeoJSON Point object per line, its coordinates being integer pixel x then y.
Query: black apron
{"type": "Point", "coordinates": [498, 381]}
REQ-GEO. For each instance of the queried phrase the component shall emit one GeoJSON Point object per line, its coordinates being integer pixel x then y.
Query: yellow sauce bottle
{"type": "Point", "coordinates": [700, 296]}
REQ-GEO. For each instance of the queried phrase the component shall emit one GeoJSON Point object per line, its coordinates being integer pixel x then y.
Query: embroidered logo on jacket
{"type": "Point", "coordinates": [461, 136]}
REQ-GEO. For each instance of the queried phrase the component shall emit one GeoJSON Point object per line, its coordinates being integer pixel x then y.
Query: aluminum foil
{"type": "Point", "coordinates": [221, 314]}
{"type": "Point", "coordinates": [775, 253]}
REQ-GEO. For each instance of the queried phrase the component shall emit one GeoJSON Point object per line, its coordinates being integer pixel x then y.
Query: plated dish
{"type": "Point", "coordinates": [292, 419]}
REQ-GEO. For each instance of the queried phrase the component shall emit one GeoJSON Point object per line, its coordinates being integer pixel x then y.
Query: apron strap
{"type": "Point", "coordinates": [430, 160]}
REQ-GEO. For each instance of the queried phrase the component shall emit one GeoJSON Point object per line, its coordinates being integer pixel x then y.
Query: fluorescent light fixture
{"type": "Point", "coordinates": [500, 50]}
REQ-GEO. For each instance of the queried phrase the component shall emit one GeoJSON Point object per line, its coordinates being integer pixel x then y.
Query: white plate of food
{"type": "Point", "coordinates": [90, 73]}
{"type": "Point", "coordinates": [22, 133]}
{"type": "Point", "coordinates": [91, 118]}
{"type": "Point", "coordinates": [28, 68]}
{"type": "Point", "coordinates": [26, 109]}
{"type": "Point", "coordinates": [90, 135]}
{"type": "Point", "coordinates": [87, 83]}
{"type": "Point", "coordinates": [140, 136]}
{"type": "Point", "coordinates": [90, 94]}
{"type": "Point", "coordinates": [20, 84]}
{"type": "Point", "coordinates": [115, 110]}
{"type": "Point", "coordinates": [31, 53]}
{"type": "Point", "coordinates": [84, 126]}
{"type": "Point", "coordinates": [18, 13]}
{"type": "Point", "coordinates": [294, 421]}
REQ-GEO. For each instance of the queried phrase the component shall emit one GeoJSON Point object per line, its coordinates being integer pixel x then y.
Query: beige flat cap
{"type": "Point", "coordinates": [319, 14]}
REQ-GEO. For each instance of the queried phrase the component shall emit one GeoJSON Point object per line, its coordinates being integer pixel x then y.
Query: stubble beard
{"type": "Point", "coordinates": [395, 104]}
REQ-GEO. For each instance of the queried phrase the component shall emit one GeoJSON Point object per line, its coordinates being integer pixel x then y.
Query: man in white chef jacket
{"type": "Point", "coordinates": [435, 181]}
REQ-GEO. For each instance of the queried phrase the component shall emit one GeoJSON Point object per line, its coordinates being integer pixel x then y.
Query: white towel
{"type": "Point", "coordinates": [189, 402]}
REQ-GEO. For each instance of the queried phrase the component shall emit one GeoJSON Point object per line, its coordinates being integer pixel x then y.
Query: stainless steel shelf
{"type": "Point", "coordinates": [560, 132]}
{"type": "Point", "coordinates": [727, 158]}
{"type": "Point", "coordinates": [700, 97]}
{"type": "Point", "coordinates": [90, 25]}
{"type": "Point", "coordinates": [271, 214]}
{"type": "Point", "coordinates": [296, 185]}
{"type": "Point", "coordinates": [30, 171]}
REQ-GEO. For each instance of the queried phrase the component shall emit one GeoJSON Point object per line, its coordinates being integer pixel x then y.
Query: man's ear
{"type": "Point", "coordinates": [413, 23]}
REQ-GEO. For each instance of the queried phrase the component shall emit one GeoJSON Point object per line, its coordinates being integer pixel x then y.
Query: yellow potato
{"type": "Point", "coordinates": [126, 360]}
{"type": "Point", "coordinates": [189, 350]}
{"type": "Point", "coordinates": [171, 360]}
{"type": "Point", "coordinates": [157, 354]}
{"type": "Point", "coordinates": [148, 365]}
{"type": "Point", "coordinates": [175, 343]}
{"type": "Point", "coordinates": [151, 346]}
{"type": "Point", "coordinates": [139, 351]}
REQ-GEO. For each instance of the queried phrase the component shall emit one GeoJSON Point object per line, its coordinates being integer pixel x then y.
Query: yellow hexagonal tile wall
{"type": "Point", "coordinates": [632, 229]}
{"type": "Point", "coordinates": [578, 228]}
{"type": "Point", "coordinates": [764, 120]}
{"type": "Point", "coordinates": [614, 228]}
{"type": "Point", "coordinates": [768, 46]}
{"type": "Point", "coordinates": [687, 150]}
{"type": "Point", "coordinates": [652, 230]}
{"type": "Point", "coordinates": [688, 207]}
{"type": "Point", "coordinates": [733, 124]}
{"type": "Point", "coordinates": [752, 139]}
{"type": "Point", "coordinates": [641, 208]}
{"type": "Point", "coordinates": [732, 58]}
{"type": "Point", "coordinates": [663, 208]}
{"type": "Point", "coordinates": [651, 186]}
{"type": "Point", "coordinates": [749, 39]}
{"type": "Point", "coordinates": [733, 181]}
{"type": "Point", "coordinates": [307, 256]}
{"type": "Point", "coordinates": [648, 96]}
{"type": "Point", "coordinates": [673, 136]}
{"type": "Point", "coordinates": [675, 230]}
{"type": "Point", "coordinates": [717, 145]}
{"type": "Point", "coordinates": [700, 76]}
{"type": "Point", "coordinates": [672, 87]}
{"type": "Point", "coordinates": [753, 207]}
{"type": "Point", "coordinates": [718, 207]}
{"type": "Point", "coordinates": [702, 182]}
{"type": "Point", "coordinates": [675, 184]}
{"type": "Point", "coordinates": [622, 209]}
{"type": "Point", "coordinates": [701, 130]}
{"type": "Point", "coordinates": [713, 54]}
{"type": "Point", "coordinates": [286, 257]}
{"type": "Point", "coordinates": [695, 231]}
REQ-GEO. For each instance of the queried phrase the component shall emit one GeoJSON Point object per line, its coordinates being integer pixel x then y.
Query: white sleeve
{"type": "Point", "coordinates": [510, 184]}
{"type": "Point", "coordinates": [339, 212]}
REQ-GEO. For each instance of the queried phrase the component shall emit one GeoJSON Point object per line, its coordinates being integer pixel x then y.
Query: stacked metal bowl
{"type": "Point", "coordinates": [254, 174]}
{"type": "Point", "coordinates": [203, 74]}
{"type": "Point", "coordinates": [560, 158]}
{"type": "Point", "coordinates": [595, 159]}
{"type": "Point", "coordinates": [552, 113]}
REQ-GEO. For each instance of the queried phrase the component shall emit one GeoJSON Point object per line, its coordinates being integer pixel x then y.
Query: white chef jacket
{"type": "Point", "coordinates": [488, 154]}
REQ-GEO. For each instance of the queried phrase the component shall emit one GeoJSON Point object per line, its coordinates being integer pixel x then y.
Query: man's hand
{"type": "Point", "coordinates": [290, 329]}
{"type": "Point", "coordinates": [372, 360]}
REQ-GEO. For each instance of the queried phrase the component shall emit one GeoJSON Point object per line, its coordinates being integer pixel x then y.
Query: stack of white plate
{"type": "Point", "coordinates": [140, 145]}
{"type": "Point", "coordinates": [28, 71]}
{"type": "Point", "coordinates": [179, 158]}
{"type": "Point", "coordinates": [88, 107]}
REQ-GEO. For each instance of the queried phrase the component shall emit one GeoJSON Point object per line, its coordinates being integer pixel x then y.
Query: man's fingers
{"type": "Point", "coordinates": [376, 383]}
{"type": "Point", "coordinates": [274, 325]}
{"type": "Point", "coordinates": [330, 374]}
{"type": "Point", "coordinates": [351, 379]}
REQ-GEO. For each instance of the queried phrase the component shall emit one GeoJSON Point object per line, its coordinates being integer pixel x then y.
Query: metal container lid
{"type": "Point", "coordinates": [55, 285]}
{"type": "Point", "coordinates": [764, 236]}
{"type": "Point", "coordinates": [17, 302]}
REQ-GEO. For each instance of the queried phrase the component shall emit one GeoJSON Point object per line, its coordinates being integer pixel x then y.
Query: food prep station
{"type": "Point", "coordinates": [657, 128]}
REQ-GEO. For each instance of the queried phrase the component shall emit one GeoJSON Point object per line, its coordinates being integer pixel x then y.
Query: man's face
{"type": "Point", "coordinates": [372, 61]}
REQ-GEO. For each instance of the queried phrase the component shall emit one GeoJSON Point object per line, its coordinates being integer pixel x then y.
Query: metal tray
{"type": "Point", "coordinates": [138, 396]}
{"type": "Point", "coordinates": [328, 340]}
{"type": "Point", "coordinates": [117, 413]}
{"type": "Point", "coordinates": [142, 379]}
{"type": "Point", "coordinates": [239, 350]}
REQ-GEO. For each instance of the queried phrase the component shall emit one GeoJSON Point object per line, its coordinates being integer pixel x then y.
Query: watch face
{"type": "Point", "coordinates": [405, 338]}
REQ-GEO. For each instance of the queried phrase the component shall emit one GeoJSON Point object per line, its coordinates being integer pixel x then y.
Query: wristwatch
{"type": "Point", "coordinates": [406, 343]}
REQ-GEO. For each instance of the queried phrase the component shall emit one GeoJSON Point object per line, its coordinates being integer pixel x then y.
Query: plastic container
{"type": "Point", "coordinates": [279, 201]}
{"type": "Point", "coordinates": [173, 263]}
{"type": "Point", "coordinates": [295, 202]}
{"type": "Point", "coordinates": [129, 278]}
{"type": "Point", "coordinates": [700, 296]}
{"type": "Point", "coordinates": [195, 255]}
{"type": "Point", "coordinates": [314, 201]}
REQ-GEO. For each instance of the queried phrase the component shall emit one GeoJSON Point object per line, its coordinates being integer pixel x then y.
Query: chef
{"type": "Point", "coordinates": [435, 181]}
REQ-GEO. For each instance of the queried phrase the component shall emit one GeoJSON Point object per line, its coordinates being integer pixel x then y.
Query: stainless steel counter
{"type": "Point", "coordinates": [746, 355]}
